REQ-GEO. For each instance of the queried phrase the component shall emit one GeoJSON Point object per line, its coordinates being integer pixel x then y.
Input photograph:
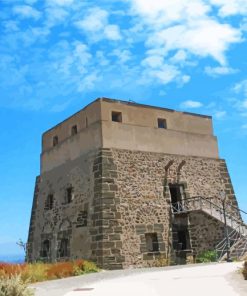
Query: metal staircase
{"type": "Point", "coordinates": [235, 241]}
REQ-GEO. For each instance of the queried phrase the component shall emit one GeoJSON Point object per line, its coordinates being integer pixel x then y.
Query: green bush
{"type": "Point", "coordinates": [14, 286]}
{"type": "Point", "coordinates": [90, 267]}
{"type": "Point", "coordinates": [83, 266]}
{"type": "Point", "coordinates": [207, 256]}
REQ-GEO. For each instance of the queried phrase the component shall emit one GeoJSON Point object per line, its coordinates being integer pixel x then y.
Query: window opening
{"type": "Point", "coordinates": [55, 141]}
{"type": "Point", "coordinates": [116, 116]}
{"type": "Point", "coordinates": [82, 219]}
{"type": "Point", "coordinates": [64, 248]}
{"type": "Point", "coordinates": [176, 192]}
{"type": "Point", "coordinates": [45, 249]}
{"type": "Point", "coordinates": [69, 195]}
{"type": "Point", "coordinates": [74, 130]}
{"type": "Point", "coordinates": [152, 242]}
{"type": "Point", "coordinates": [49, 202]}
{"type": "Point", "coordinates": [162, 123]}
{"type": "Point", "coordinates": [86, 122]}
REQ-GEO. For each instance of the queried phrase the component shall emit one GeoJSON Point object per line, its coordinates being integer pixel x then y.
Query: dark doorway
{"type": "Point", "coordinates": [182, 240]}
{"type": "Point", "coordinates": [176, 192]}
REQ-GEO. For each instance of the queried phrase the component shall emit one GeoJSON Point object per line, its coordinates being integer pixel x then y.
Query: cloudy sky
{"type": "Point", "coordinates": [58, 55]}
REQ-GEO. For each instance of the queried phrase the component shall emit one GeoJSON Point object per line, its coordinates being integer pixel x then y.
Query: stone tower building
{"type": "Point", "coordinates": [126, 184]}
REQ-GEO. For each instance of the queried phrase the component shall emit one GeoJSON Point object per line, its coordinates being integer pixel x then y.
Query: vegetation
{"type": "Point", "coordinates": [14, 286]}
{"type": "Point", "coordinates": [31, 273]}
{"type": "Point", "coordinates": [207, 256]}
{"type": "Point", "coordinates": [244, 270]}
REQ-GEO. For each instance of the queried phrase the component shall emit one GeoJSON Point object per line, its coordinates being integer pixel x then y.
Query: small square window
{"type": "Point", "coordinates": [116, 116]}
{"type": "Point", "coordinates": [162, 123]}
{"type": "Point", "coordinates": [152, 242]}
{"type": "Point", "coordinates": [74, 130]}
{"type": "Point", "coordinates": [55, 141]}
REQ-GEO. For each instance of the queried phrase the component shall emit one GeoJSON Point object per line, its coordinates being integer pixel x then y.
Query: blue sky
{"type": "Point", "coordinates": [58, 55]}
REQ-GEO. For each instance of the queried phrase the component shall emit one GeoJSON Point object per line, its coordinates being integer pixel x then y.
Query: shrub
{"type": "Point", "coordinates": [14, 286]}
{"type": "Point", "coordinates": [7, 269]}
{"type": "Point", "coordinates": [36, 272]}
{"type": "Point", "coordinates": [90, 267]}
{"type": "Point", "coordinates": [83, 266]}
{"type": "Point", "coordinates": [207, 256]}
{"type": "Point", "coordinates": [244, 270]}
{"type": "Point", "coordinates": [60, 270]}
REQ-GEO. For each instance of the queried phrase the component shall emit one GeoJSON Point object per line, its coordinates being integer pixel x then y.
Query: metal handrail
{"type": "Point", "coordinates": [238, 226]}
{"type": "Point", "coordinates": [182, 205]}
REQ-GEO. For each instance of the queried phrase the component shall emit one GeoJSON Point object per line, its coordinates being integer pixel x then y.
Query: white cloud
{"type": "Point", "coordinates": [219, 114]}
{"type": "Point", "coordinates": [60, 2]}
{"type": "Point", "coordinates": [11, 26]}
{"type": "Point", "coordinates": [185, 79]}
{"type": "Point", "coordinates": [122, 55]}
{"type": "Point", "coordinates": [101, 58]}
{"type": "Point", "coordinates": [185, 25]}
{"type": "Point", "coordinates": [97, 27]}
{"type": "Point", "coordinates": [55, 16]}
{"type": "Point", "coordinates": [241, 87]}
{"type": "Point", "coordinates": [88, 82]}
{"type": "Point", "coordinates": [160, 13]}
{"type": "Point", "coordinates": [230, 7]}
{"type": "Point", "coordinates": [179, 57]}
{"type": "Point", "coordinates": [202, 38]}
{"type": "Point", "coordinates": [164, 74]}
{"type": "Point", "coordinates": [26, 11]}
{"type": "Point", "coordinates": [191, 104]}
{"type": "Point", "coordinates": [217, 71]}
{"type": "Point", "coordinates": [112, 32]}
{"type": "Point", "coordinates": [152, 43]}
{"type": "Point", "coordinates": [95, 20]}
{"type": "Point", "coordinates": [153, 61]}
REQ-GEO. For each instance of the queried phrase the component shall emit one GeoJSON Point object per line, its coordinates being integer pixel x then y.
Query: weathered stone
{"type": "Point", "coordinates": [125, 194]}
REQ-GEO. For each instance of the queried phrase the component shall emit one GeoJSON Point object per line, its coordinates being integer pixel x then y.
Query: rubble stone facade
{"type": "Point", "coordinates": [105, 193]}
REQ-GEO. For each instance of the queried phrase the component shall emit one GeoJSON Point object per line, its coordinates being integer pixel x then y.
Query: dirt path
{"type": "Point", "coordinates": [201, 279]}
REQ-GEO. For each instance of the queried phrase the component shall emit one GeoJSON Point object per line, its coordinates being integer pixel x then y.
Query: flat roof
{"type": "Point", "coordinates": [130, 103]}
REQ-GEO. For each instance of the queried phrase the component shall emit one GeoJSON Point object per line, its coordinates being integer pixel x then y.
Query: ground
{"type": "Point", "coordinates": [200, 279]}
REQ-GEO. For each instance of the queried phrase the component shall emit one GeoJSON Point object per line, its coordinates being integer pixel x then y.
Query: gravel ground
{"type": "Point", "coordinates": [198, 279]}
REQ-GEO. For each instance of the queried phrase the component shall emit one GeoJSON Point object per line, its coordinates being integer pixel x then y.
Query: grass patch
{"type": "Point", "coordinates": [206, 256]}
{"type": "Point", "coordinates": [14, 286]}
{"type": "Point", "coordinates": [37, 272]}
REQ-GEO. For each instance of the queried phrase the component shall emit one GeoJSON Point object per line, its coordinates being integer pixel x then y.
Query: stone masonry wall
{"type": "Point", "coordinates": [144, 200]}
{"type": "Point", "coordinates": [124, 197]}
{"type": "Point", "coordinates": [29, 255]}
{"type": "Point", "coordinates": [65, 220]}
{"type": "Point", "coordinates": [205, 232]}
{"type": "Point", "coordinates": [106, 231]}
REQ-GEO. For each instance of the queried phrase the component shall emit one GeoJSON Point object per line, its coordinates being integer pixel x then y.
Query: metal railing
{"type": "Point", "coordinates": [237, 236]}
